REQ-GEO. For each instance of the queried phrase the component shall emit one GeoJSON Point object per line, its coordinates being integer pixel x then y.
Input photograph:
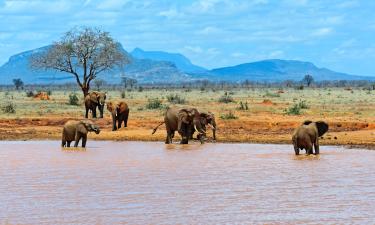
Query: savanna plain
{"type": "Point", "coordinates": [246, 115]}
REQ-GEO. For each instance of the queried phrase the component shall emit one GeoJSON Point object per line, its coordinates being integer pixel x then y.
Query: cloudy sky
{"type": "Point", "coordinates": [339, 35]}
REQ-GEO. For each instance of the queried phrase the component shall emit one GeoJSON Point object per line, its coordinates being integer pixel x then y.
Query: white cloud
{"type": "Point", "coordinates": [324, 31]}
{"type": "Point", "coordinates": [112, 4]}
{"type": "Point", "coordinates": [170, 13]}
{"type": "Point", "coordinates": [36, 6]}
{"type": "Point", "coordinates": [276, 54]}
{"type": "Point", "coordinates": [209, 30]}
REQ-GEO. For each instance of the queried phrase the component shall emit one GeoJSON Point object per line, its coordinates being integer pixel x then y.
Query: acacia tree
{"type": "Point", "coordinates": [308, 79]}
{"type": "Point", "coordinates": [18, 83]}
{"type": "Point", "coordinates": [84, 53]}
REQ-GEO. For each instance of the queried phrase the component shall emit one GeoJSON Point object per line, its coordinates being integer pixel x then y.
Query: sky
{"type": "Point", "coordinates": [339, 35]}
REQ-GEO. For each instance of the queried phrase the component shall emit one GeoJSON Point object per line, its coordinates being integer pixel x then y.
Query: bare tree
{"type": "Point", "coordinates": [18, 83]}
{"type": "Point", "coordinates": [308, 79]}
{"type": "Point", "coordinates": [84, 53]}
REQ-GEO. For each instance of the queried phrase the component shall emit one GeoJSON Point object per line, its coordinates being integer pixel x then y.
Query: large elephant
{"type": "Point", "coordinates": [183, 120]}
{"type": "Point", "coordinates": [207, 119]}
{"type": "Point", "coordinates": [119, 112]}
{"type": "Point", "coordinates": [307, 136]}
{"type": "Point", "coordinates": [95, 99]}
{"type": "Point", "coordinates": [75, 130]}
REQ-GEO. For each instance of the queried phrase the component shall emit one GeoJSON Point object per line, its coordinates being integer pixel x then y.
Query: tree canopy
{"type": "Point", "coordinates": [84, 53]}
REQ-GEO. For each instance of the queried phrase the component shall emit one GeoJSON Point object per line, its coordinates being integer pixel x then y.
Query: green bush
{"type": "Point", "coordinates": [154, 103]}
{"type": "Point", "coordinates": [49, 92]}
{"type": "Point", "coordinates": [123, 94]}
{"type": "Point", "coordinates": [29, 94]}
{"type": "Point", "coordinates": [294, 110]}
{"type": "Point", "coordinates": [226, 98]}
{"type": "Point", "coordinates": [176, 99]}
{"type": "Point", "coordinates": [228, 116]}
{"type": "Point", "coordinates": [9, 107]}
{"type": "Point", "coordinates": [73, 99]}
{"type": "Point", "coordinates": [272, 95]}
{"type": "Point", "coordinates": [303, 105]}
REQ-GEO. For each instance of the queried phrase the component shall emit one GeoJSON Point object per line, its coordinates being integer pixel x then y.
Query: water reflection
{"type": "Point", "coordinates": [143, 183]}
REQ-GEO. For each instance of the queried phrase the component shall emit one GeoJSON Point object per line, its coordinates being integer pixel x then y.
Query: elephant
{"type": "Point", "coordinates": [207, 119]}
{"type": "Point", "coordinates": [119, 112]}
{"type": "Point", "coordinates": [75, 130]}
{"type": "Point", "coordinates": [307, 136]}
{"type": "Point", "coordinates": [95, 99]}
{"type": "Point", "coordinates": [183, 120]}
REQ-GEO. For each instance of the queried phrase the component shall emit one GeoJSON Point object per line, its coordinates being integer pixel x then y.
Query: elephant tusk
{"type": "Point", "coordinates": [212, 127]}
{"type": "Point", "coordinates": [197, 130]}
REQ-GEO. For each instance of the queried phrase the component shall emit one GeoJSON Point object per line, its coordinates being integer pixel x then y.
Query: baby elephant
{"type": "Point", "coordinates": [75, 130]}
{"type": "Point", "coordinates": [119, 112]}
{"type": "Point", "coordinates": [307, 135]}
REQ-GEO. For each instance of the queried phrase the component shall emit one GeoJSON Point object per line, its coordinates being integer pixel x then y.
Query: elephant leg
{"type": "Point", "coordinates": [296, 150]}
{"type": "Point", "coordinates": [126, 116]}
{"type": "Point", "coordinates": [68, 143]}
{"type": "Point", "coordinates": [316, 147]}
{"type": "Point", "coordinates": [87, 113]}
{"type": "Point", "coordinates": [119, 121]}
{"type": "Point", "coordinates": [168, 140]}
{"type": "Point", "coordinates": [77, 138]}
{"type": "Point", "coordinates": [101, 109]}
{"type": "Point", "coordinates": [94, 112]}
{"type": "Point", "coordinates": [309, 150]}
{"type": "Point", "coordinates": [185, 140]}
{"type": "Point", "coordinates": [63, 143]}
{"type": "Point", "coordinates": [84, 139]}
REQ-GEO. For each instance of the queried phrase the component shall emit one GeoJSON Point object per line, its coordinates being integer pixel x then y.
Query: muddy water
{"type": "Point", "coordinates": [151, 183]}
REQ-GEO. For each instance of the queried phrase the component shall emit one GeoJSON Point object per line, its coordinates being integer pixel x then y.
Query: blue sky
{"type": "Point", "coordinates": [339, 35]}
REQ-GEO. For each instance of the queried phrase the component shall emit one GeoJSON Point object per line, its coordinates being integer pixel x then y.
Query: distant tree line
{"type": "Point", "coordinates": [199, 84]}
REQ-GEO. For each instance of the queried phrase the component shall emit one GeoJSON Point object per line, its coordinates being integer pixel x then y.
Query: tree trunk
{"type": "Point", "coordinates": [85, 91]}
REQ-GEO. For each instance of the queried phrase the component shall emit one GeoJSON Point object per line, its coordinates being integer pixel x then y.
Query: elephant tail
{"type": "Point", "coordinates": [153, 132]}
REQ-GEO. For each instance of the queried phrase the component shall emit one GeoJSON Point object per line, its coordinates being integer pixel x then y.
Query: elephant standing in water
{"type": "Point", "coordinates": [207, 119]}
{"type": "Point", "coordinates": [307, 136]}
{"type": "Point", "coordinates": [95, 99]}
{"type": "Point", "coordinates": [183, 120]}
{"type": "Point", "coordinates": [119, 112]}
{"type": "Point", "coordinates": [75, 130]}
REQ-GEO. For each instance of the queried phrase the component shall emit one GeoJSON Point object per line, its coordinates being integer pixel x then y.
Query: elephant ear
{"type": "Point", "coordinates": [322, 127]}
{"type": "Point", "coordinates": [82, 127]}
{"type": "Point", "coordinates": [183, 115]}
{"type": "Point", "coordinates": [110, 106]}
{"type": "Point", "coordinates": [94, 97]}
{"type": "Point", "coordinates": [307, 122]}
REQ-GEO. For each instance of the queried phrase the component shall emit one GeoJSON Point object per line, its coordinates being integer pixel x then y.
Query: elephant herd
{"type": "Point", "coordinates": [185, 120]}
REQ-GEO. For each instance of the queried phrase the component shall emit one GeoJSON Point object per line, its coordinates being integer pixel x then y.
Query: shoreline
{"type": "Point", "coordinates": [365, 146]}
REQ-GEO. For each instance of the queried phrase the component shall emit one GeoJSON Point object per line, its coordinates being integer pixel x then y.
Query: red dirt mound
{"type": "Point", "coordinates": [267, 102]}
{"type": "Point", "coordinates": [42, 96]}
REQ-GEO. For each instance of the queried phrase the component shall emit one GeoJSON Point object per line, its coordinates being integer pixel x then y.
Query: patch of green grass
{"type": "Point", "coordinates": [228, 116]}
{"type": "Point", "coordinates": [154, 103]}
{"type": "Point", "coordinates": [9, 108]}
{"type": "Point", "coordinates": [73, 99]}
{"type": "Point", "coordinates": [176, 99]}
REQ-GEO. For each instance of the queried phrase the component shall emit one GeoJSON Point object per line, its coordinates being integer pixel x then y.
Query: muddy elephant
{"type": "Point", "coordinates": [75, 130]}
{"type": "Point", "coordinates": [307, 136]}
{"type": "Point", "coordinates": [206, 119]}
{"type": "Point", "coordinates": [182, 120]}
{"type": "Point", "coordinates": [93, 100]}
{"type": "Point", "coordinates": [119, 112]}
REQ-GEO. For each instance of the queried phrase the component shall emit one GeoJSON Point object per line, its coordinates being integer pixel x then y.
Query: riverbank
{"type": "Point", "coordinates": [250, 130]}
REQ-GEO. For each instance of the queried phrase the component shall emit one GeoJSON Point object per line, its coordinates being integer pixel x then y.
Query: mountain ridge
{"type": "Point", "coordinates": [162, 67]}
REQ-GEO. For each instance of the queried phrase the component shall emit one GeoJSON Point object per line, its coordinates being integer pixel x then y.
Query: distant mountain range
{"type": "Point", "coordinates": [158, 66]}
